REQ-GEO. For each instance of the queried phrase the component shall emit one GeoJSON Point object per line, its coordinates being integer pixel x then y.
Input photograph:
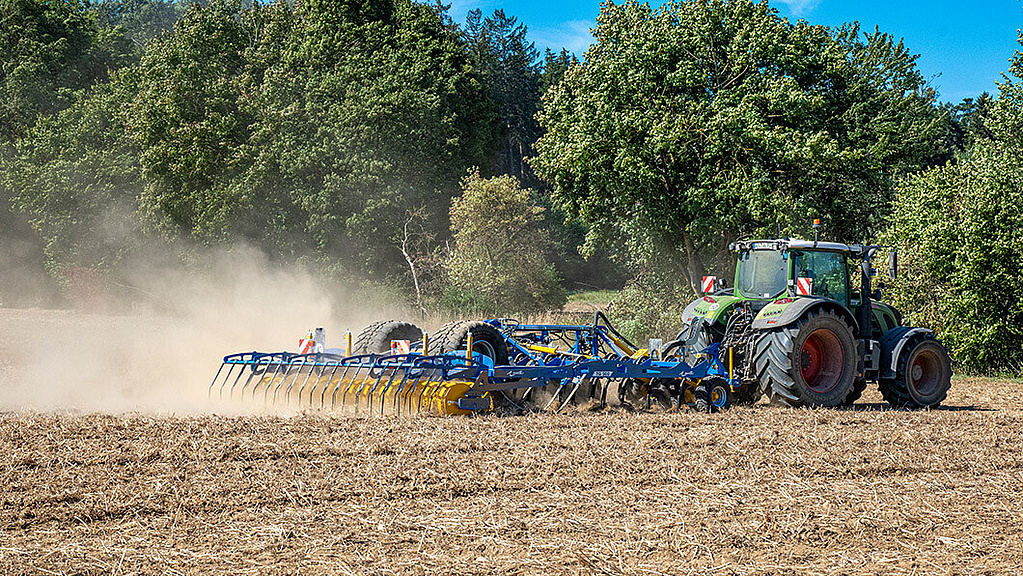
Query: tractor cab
{"type": "Point", "coordinates": [770, 269]}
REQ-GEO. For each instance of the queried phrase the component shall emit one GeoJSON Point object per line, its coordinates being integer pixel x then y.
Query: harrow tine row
{"type": "Point", "coordinates": [377, 384]}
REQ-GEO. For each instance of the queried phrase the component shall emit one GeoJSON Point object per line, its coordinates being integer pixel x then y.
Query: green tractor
{"type": "Point", "coordinates": [802, 334]}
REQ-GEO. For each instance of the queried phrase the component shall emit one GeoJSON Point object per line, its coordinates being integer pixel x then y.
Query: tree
{"type": "Point", "coordinates": [961, 248]}
{"type": "Point", "coordinates": [692, 124]}
{"type": "Point", "coordinates": [499, 263]}
{"type": "Point", "coordinates": [508, 64]}
{"type": "Point", "coordinates": [76, 178]}
{"type": "Point", "coordinates": [48, 50]}
{"type": "Point", "coordinates": [306, 131]}
{"type": "Point", "coordinates": [141, 20]}
{"type": "Point", "coordinates": [554, 67]}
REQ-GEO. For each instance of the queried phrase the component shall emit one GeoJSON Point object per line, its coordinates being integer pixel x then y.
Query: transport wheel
{"type": "Point", "coordinates": [712, 395]}
{"type": "Point", "coordinates": [923, 377]}
{"type": "Point", "coordinates": [809, 363]}
{"type": "Point", "coordinates": [486, 340]}
{"type": "Point", "coordinates": [376, 338]}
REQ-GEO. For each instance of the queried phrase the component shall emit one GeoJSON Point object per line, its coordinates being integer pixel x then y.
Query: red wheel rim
{"type": "Point", "coordinates": [924, 372]}
{"type": "Point", "coordinates": [822, 361]}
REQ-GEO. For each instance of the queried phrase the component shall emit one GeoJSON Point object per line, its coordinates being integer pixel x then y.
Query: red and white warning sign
{"type": "Point", "coordinates": [804, 286]}
{"type": "Point", "coordinates": [400, 346]}
{"type": "Point", "coordinates": [708, 284]}
{"type": "Point", "coordinates": [305, 345]}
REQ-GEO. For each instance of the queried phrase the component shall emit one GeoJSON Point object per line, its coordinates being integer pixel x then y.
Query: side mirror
{"type": "Point", "coordinates": [893, 264]}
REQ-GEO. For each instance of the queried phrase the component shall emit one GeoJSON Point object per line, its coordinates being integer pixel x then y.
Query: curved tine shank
{"type": "Point", "coordinates": [324, 362]}
{"type": "Point", "coordinates": [278, 367]}
{"type": "Point", "coordinates": [209, 393]}
{"type": "Point", "coordinates": [285, 371]}
{"type": "Point", "coordinates": [358, 387]}
{"type": "Point", "coordinates": [308, 374]}
{"type": "Point", "coordinates": [387, 386]}
{"type": "Point", "coordinates": [297, 371]}
{"type": "Point", "coordinates": [554, 397]}
{"type": "Point", "coordinates": [256, 361]}
{"type": "Point", "coordinates": [323, 393]}
{"type": "Point", "coordinates": [340, 381]}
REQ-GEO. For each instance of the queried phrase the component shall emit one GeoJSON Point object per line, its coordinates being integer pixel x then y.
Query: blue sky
{"type": "Point", "coordinates": [963, 46]}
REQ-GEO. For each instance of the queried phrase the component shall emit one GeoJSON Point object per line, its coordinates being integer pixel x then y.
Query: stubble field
{"type": "Point", "coordinates": [756, 490]}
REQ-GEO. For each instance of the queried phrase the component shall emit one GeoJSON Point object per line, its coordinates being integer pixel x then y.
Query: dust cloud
{"type": "Point", "coordinates": [160, 350]}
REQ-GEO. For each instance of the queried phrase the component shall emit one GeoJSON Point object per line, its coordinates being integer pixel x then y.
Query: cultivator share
{"type": "Point", "coordinates": [795, 328]}
{"type": "Point", "coordinates": [466, 367]}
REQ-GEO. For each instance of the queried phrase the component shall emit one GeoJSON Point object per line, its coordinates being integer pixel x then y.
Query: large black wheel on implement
{"type": "Point", "coordinates": [486, 340]}
{"type": "Point", "coordinates": [376, 338]}
{"type": "Point", "coordinates": [923, 376]}
{"type": "Point", "coordinates": [809, 363]}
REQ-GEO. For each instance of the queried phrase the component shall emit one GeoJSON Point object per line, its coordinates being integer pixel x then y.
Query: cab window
{"type": "Point", "coordinates": [828, 272]}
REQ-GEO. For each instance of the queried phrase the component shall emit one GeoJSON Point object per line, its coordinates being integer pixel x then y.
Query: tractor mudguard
{"type": "Point", "coordinates": [891, 347]}
{"type": "Point", "coordinates": [785, 311]}
{"type": "Point", "coordinates": [713, 307]}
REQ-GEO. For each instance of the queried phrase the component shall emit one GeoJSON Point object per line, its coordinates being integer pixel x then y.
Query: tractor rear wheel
{"type": "Point", "coordinates": [923, 377]}
{"type": "Point", "coordinates": [809, 363]}
{"type": "Point", "coordinates": [377, 337]}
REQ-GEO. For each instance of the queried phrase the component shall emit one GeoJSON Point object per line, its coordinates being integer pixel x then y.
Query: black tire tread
{"type": "Point", "coordinates": [773, 362]}
{"type": "Point", "coordinates": [375, 338]}
{"type": "Point", "coordinates": [895, 391]}
{"type": "Point", "coordinates": [452, 336]}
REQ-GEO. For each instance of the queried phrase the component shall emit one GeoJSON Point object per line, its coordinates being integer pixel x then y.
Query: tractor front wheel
{"type": "Point", "coordinates": [809, 363]}
{"type": "Point", "coordinates": [923, 377]}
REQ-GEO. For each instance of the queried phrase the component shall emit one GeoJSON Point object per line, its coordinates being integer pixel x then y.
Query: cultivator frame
{"type": "Point", "coordinates": [461, 381]}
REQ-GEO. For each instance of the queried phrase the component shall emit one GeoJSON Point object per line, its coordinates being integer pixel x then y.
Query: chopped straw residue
{"type": "Point", "coordinates": [753, 491]}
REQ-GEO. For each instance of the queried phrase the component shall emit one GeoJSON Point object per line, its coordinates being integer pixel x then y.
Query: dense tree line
{"type": "Point", "coordinates": [381, 139]}
{"type": "Point", "coordinates": [958, 229]}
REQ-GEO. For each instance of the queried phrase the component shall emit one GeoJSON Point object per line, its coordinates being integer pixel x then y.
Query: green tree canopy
{"type": "Point", "coordinates": [961, 246]}
{"type": "Point", "coordinates": [689, 125]}
{"type": "Point", "coordinates": [48, 50]}
{"type": "Point", "coordinates": [508, 65]}
{"type": "Point", "coordinates": [306, 131]}
{"type": "Point", "coordinates": [499, 262]}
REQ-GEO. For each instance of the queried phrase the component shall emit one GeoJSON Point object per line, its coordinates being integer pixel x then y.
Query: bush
{"type": "Point", "coordinates": [961, 248]}
{"type": "Point", "coordinates": [499, 264]}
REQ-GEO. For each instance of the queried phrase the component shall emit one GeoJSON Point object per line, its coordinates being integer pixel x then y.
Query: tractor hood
{"type": "Point", "coordinates": [713, 307]}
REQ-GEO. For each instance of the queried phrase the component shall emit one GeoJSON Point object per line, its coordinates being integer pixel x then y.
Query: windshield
{"type": "Point", "coordinates": [762, 273]}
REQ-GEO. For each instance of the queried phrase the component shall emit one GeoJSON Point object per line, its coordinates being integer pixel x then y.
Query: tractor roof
{"type": "Point", "coordinates": [854, 250]}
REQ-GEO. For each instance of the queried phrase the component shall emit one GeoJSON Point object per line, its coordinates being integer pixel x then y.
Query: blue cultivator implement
{"type": "Point", "coordinates": [470, 367]}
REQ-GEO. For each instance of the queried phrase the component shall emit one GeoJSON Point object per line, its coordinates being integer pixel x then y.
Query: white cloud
{"type": "Point", "coordinates": [800, 7]}
{"type": "Point", "coordinates": [573, 35]}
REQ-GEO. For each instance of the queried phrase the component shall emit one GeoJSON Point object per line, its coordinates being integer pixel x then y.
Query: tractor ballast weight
{"type": "Point", "coordinates": [805, 337]}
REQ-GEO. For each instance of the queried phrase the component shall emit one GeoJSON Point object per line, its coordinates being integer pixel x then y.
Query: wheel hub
{"type": "Point", "coordinates": [924, 372]}
{"type": "Point", "coordinates": [821, 361]}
